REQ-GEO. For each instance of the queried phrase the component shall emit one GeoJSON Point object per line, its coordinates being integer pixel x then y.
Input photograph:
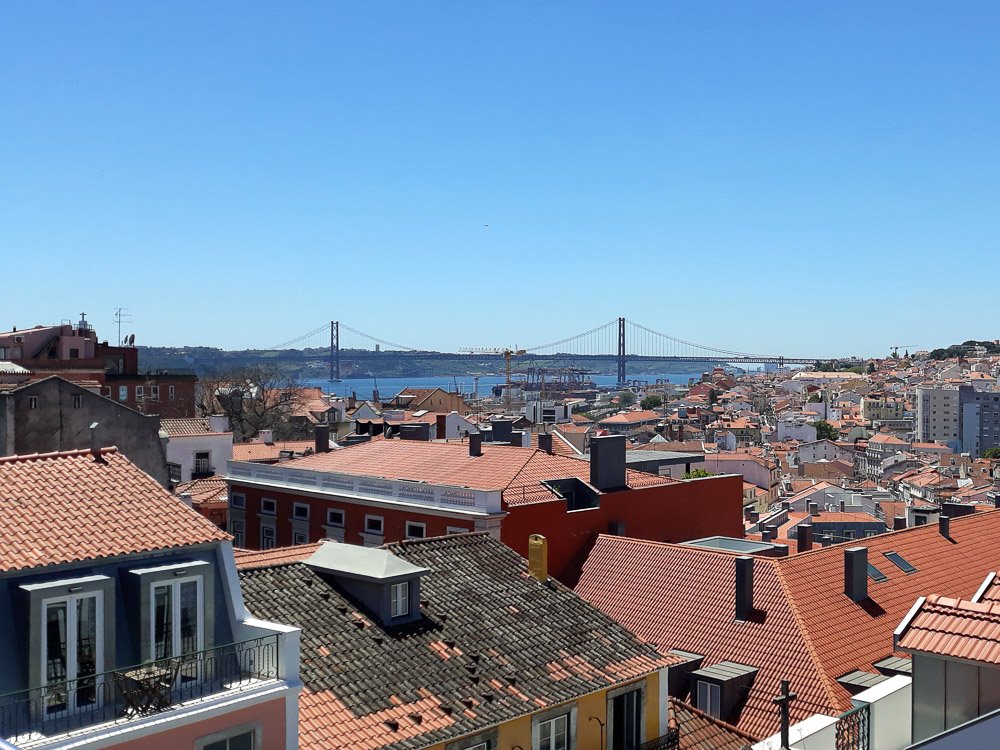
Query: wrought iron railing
{"type": "Point", "coordinates": [669, 741]}
{"type": "Point", "coordinates": [118, 696]}
{"type": "Point", "coordinates": [854, 729]}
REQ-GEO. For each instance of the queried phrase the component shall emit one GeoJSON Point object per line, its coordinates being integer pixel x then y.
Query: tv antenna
{"type": "Point", "coordinates": [121, 316]}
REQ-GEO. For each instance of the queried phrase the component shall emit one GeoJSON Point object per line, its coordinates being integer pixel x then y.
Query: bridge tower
{"type": "Point", "coordinates": [335, 351]}
{"type": "Point", "coordinates": [621, 352]}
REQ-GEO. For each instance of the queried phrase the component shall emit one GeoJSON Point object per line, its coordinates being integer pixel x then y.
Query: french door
{"type": "Point", "coordinates": [177, 623]}
{"type": "Point", "coordinates": [626, 721]}
{"type": "Point", "coordinates": [72, 652]}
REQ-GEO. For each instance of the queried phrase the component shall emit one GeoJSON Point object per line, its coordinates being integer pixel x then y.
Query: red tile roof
{"type": "Point", "coordinates": [269, 451]}
{"type": "Point", "coordinates": [956, 628]}
{"type": "Point", "coordinates": [514, 470]}
{"type": "Point", "coordinates": [192, 426]}
{"type": "Point", "coordinates": [66, 507]}
{"type": "Point", "coordinates": [250, 559]}
{"type": "Point", "coordinates": [699, 731]}
{"type": "Point", "coordinates": [209, 491]}
{"type": "Point", "coordinates": [805, 628]}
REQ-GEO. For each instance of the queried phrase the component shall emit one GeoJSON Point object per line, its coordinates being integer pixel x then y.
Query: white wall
{"type": "Point", "coordinates": [181, 450]}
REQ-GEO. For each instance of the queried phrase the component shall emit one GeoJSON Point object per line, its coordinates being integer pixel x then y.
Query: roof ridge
{"type": "Point", "coordinates": [25, 457]}
{"type": "Point", "coordinates": [532, 452]}
{"type": "Point", "coordinates": [825, 681]}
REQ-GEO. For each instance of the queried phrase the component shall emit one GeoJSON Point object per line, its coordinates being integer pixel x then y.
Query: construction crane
{"type": "Point", "coordinates": [896, 348]}
{"type": "Point", "coordinates": [507, 353]}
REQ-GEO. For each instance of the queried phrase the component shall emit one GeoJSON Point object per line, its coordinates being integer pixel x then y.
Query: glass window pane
{"type": "Point", "coordinates": [56, 656]}
{"type": "Point", "coordinates": [220, 745]}
{"type": "Point", "coordinates": [241, 741]}
{"type": "Point", "coordinates": [163, 622]}
{"type": "Point", "coordinates": [189, 617]}
{"type": "Point", "coordinates": [86, 650]}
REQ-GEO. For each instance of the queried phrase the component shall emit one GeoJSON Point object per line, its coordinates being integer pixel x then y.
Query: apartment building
{"type": "Point", "coordinates": [967, 420]}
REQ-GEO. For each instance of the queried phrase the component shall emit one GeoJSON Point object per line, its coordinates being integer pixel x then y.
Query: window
{"type": "Point", "coordinates": [709, 699]}
{"type": "Point", "coordinates": [415, 530]}
{"type": "Point", "coordinates": [553, 734]}
{"type": "Point", "coordinates": [876, 575]}
{"type": "Point", "coordinates": [177, 622]}
{"type": "Point", "coordinates": [32, 402]}
{"type": "Point", "coordinates": [202, 463]}
{"type": "Point", "coordinates": [267, 506]}
{"type": "Point", "coordinates": [140, 392]}
{"type": "Point", "coordinates": [266, 536]}
{"type": "Point", "coordinates": [72, 651]}
{"type": "Point", "coordinates": [625, 720]}
{"type": "Point", "coordinates": [238, 500]}
{"type": "Point", "coordinates": [123, 393]}
{"type": "Point", "coordinates": [74, 354]}
{"type": "Point", "coordinates": [299, 538]}
{"type": "Point", "coordinates": [300, 511]}
{"type": "Point", "coordinates": [900, 562]}
{"type": "Point", "coordinates": [334, 517]}
{"type": "Point", "coordinates": [154, 392]}
{"type": "Point", "coordinates": [373, 525]}
{"type": "Point", "coordinates": [399, 595]}
{"type": "Point", "coordinates": [848, 534]}
{"type": "Point", "coordinates": [245, 737]}
{"type": "Point", "coordinates": [170, 393]}
{"type": "Point", "coordinates": [77, 400]}
{"type": "Point", "coordinates": [237, 529]}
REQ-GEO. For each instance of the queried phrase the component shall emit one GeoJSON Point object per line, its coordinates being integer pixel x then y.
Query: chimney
{"type": "Point", "coordinates": [322, 438]}
{"type": "Point", "coordinates": [856, 573]}
{"type": "Point", "coordinates": [218, 423]}
{"type": "Point", "coordinates": [538, 557]}
{"type": "Point", "coordinates": [813, 509]}
{"type": "Point", "coordinates": [545, 442]}
{"type": "Point", "coordinates": [944, 526]}
{"type": "Point", "coordinates": [805, 537]}
{"type": "Point", "coordinates": [843, 504]}
{"type": "Point", "coordinates": [95, 444]}
{"type": "Point", "coordinates": [607, 462]}
{"type": "Point", "coordinates": [825, 540]}
{"type": "Point", "coordinates": [786, 505]}
{"type": "Point", "coordinates": [503, 430]}
{"type": "Point", "coordinates": [765, 535]}
{"type": "Point", "coordinates": [441, 426]}
{"type": "Point", "coordinates": [266, 436]}
{"type": "Point", "coordinates": [187, 498]}
{"type": "Point", "coordinates": [744, 587]}
{"type": "Point", "coordinates": [898, 523]}
{"type": "Point", "coordinates": [772, 531]}
{"type": "Point", "coordinates": [475, 443]}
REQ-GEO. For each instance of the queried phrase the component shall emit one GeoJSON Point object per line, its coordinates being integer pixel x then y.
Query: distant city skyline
{"type": "Point", "coordinates": [787, 178]}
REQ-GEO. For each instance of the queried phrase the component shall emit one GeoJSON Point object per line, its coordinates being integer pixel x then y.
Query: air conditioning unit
{"type": "Point", "coordinates": [19, 339]}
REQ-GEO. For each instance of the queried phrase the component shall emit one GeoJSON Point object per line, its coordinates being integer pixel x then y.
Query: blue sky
{"type": "Point", "coordinates": [798, 178]}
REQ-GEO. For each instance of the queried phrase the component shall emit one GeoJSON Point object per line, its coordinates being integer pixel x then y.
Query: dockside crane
{"type": "Point", "coordinates": [507, 353]}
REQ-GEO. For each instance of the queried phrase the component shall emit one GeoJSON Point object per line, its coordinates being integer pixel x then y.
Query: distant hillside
{"type": "Point", "coordinates": [314, 363]}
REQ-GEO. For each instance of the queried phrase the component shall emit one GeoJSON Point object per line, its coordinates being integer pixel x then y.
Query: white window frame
{"type": "Point", "coordinates": [140, 392]}
{"type": "Point", "coordinates": [551, 725]}
{"type": "Point", "coordinates": [238, 529]}
{"type": "Point", "coordinates": [713, 693]}
{"type": "Point", "coordinates": [227, 734]}
{"type": "Point", "coordinates": [274, 507]}
{"type": "Point", "coordinates": [175, 602]}
{"type": "Point", "coordinates": [170, 393]}
{"type": "Point", "coordinates": [300, 537]}
{"type": "Point", "coordinates": [423, 530]}
{"type": "Point", "coordinates": [338, 524]}
{"type": "Point", "coordinates": [238, 500]}
{"type": "Point", "coordinates": [71, 656]}
{"type": "Point", "coordinates": [154, 392]}
{"type": "Point", "coordinates": [399, 599]}
{"type": "Point", "coordinates": [296, 507]}
{"type": "Point", "coordinates": [274, 535]}
{"type": "Point", "coordinates": [123, 393]}
{"type": "Point", "coordinates": [381, 525]}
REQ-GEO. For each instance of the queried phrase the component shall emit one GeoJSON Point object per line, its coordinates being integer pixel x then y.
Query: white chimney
{"type": "Point", "coordinates": [218, 423]}
{"type": "Point", "coordinates": [266, 436]}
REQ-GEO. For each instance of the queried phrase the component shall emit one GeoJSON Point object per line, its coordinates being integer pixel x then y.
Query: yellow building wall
{"type": "Point", "coordinates": [588, 733]}
{"type": "Point", "coordinates": [516, 733]}
{"type": "Point", "coordinates": [652, 707]}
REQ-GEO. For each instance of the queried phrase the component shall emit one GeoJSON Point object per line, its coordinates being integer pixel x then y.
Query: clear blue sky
{"type": "Point", "coordinates": [796, 177]}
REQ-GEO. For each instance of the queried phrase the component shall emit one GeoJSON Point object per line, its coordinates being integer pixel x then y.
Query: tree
{"type": "Point", "coordinates": [697, 474]}
{"type": "Point", "coordinates": [255, 398]}
{"type": "Point", "coordinates": [991, 453]}
{"type": "Point", "coordinates": [651, 402]}
{"type": "Point", "coordinates": [825, 430]}
{"type": "Point", "coordinates": [815, 398]}
{"type": "Point", "coordinates": [626, 398]}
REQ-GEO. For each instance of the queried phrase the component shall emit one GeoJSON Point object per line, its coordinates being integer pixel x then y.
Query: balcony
{"type": "Point", "coordinates": [36, 716]}
{"type": "Point", "coordinates": [669, 741]}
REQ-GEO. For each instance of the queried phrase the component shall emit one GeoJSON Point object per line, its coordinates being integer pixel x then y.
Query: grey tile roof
{"type": "Point", "coordinates": [493, 644]}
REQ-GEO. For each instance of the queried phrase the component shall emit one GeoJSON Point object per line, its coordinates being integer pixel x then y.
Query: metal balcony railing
{"type": "Point", "coordinates": [669, 741]}
{"type": "Point", "coordinates": [122, 695]}
{"type": "Point", "coordinates": [854, 729]}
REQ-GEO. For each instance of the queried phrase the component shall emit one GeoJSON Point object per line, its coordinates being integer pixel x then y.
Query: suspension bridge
{"type": "Point", "coordinates": [621, 339]}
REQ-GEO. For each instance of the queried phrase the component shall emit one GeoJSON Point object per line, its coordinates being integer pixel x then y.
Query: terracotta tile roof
{"type": "Point", "coordinates": [192, 426]}
{"type": "Point", "coordinates": [956, 628]}
{"type": "Point", "coordinates": [805, 628]}
{"type": "Point", "coordinates": [269, 451]}
{"type": "Point", "coordinates": [493, 645]}
{"type": "Point", "coordinates": [251, 559]}
{"type": "Point", "coordinates": [560, 446]}
{"type": "Point", "coordinates": [514, 470]}
{"type": "Point", "coordinates": [65, 507]}
{"type": "Point", "coordinates": [845, 517]}
{"type": "Point", "coordinates": [633, 417]}
{"type": "Point", "coordinates": [700, 731]}
{"type": "Point", "coordinates": [209, 491]}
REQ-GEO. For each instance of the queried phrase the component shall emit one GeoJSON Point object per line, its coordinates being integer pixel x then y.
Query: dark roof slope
{"type": "Point", "coordinates": [494, 644]}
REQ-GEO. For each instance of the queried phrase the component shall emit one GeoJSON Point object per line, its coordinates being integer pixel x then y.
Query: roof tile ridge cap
{"type": "Point", "coordinates": [826, 682]}
{"type": "Point", "coordinates": [532, 452]}
{"type": "Point", "coordinates": [701, 714]}
{"type": "Point", "coordinates": [75, 452]}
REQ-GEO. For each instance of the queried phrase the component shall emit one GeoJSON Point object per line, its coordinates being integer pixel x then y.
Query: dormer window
{"type": "Point", "coordinates": [720, 690]}
{"type": "Point", "coordinates": [399, 597]}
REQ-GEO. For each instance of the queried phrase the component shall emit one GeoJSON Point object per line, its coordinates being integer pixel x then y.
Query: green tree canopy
{"type": "Point", "coordinates": [626, 398]}
{"type": "Point", "coordinates": [825, 430]}
{"type": "Point", "coordinates": [651, 402]}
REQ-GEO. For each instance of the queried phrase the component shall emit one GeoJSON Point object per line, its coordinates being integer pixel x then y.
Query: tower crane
{"type": "Point", "coordinates": [507, 353]}
{"type": "Point", "coordinates": [897, 347]}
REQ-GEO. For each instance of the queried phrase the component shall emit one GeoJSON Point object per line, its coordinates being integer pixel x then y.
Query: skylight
{"type": "Point", "coordinates": [876, 575]}
{"type": "Point", "coordinates": [900, 562]}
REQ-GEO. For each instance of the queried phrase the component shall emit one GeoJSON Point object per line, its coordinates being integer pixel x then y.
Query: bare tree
{"type": "Point", "coordinates": [254, 397]}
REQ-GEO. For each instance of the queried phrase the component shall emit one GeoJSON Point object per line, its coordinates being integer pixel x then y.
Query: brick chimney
{"type": "Point", "coordinates": [805, 537]}
{"type": "Point", "coordinates": [744, 587]}
{"type": "Point", "coordinates": [856, 573]}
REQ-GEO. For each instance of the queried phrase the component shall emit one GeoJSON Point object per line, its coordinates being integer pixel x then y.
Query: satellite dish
{"type": "Point", "coordinates": [131, 339]}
